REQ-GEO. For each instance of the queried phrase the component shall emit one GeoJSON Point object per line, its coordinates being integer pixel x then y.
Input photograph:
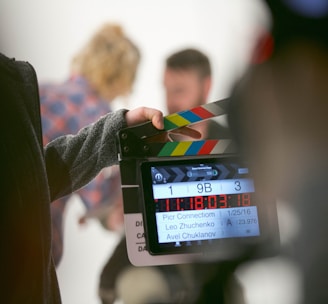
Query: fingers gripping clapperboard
{"type": "Point", "coordinates": [190, 200]}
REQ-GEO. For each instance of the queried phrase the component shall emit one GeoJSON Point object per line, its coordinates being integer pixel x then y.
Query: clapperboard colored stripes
{"type": "Point", "coordinates": [194, 115]}
{"type": "Point", "coordinates": [201, 147]}
{"type": "Point", "coordinates": [184, 148]}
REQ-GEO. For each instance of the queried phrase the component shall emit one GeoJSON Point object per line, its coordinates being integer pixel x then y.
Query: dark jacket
{"type": "Point", "coordinates": [32, 176]}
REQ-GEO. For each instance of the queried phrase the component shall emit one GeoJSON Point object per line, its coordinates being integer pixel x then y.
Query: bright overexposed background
{"type": "Point", "coordinates": [48, 33]}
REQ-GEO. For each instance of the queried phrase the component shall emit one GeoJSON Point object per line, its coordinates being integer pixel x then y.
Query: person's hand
{"type": "Point", "coordinates": [143, 114]}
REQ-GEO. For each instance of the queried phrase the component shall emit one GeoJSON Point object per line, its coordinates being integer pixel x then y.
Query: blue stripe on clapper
{"type": "Point", "coordinates": [195, 147]}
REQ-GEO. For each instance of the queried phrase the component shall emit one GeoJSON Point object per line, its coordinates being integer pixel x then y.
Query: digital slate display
{"type": "Point", "coordinates": [190, 203]}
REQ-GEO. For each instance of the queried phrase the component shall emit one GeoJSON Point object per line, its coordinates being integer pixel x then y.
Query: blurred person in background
{"type": "Point", "coordinates": [278, 115]}
{"type": "Point", "coordinates": [105, 68]}
{"type": "Point", "coordinates": [187, 80]}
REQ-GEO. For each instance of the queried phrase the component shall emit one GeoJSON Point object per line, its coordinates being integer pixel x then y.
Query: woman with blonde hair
{"type": "Point", "coordinates": [108, 62]}
{"type": "Point", "coordinates": [105, 68]}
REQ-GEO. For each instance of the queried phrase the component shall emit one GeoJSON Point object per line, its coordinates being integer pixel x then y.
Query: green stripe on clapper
{"type": "Point", "coordinates": [168, 125]}
{"type": "Point", "coordinates": [168, 148]}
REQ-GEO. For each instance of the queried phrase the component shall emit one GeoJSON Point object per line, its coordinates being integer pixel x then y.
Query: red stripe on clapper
{"type": "Point", "coordinates": [208, 146]}
{"type": "Point", "coordinates": [201, 112]}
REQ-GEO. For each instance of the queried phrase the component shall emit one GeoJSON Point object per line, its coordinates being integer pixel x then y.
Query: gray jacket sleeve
{"type": "Point", "coordinates": [73, 160]}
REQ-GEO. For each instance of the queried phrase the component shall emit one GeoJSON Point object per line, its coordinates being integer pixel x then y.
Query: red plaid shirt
{"type": "Point", "coordinates": [65, 109]}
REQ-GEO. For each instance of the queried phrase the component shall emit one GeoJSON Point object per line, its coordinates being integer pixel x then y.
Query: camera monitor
{"type": "Point", "coordinates": [197, 205]}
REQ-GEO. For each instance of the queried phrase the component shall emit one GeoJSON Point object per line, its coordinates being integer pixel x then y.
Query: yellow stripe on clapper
{"type": "Point", "coordinates": [178, 120]}
{"type": "Point", "coordinates": [181, 148]}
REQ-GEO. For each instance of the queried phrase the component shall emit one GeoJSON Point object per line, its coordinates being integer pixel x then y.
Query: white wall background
{"type": "Point", "coordinates": [47, 34]}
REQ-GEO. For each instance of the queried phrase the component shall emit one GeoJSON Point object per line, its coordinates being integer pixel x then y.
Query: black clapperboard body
{"type": "Point", "coordinates": [191, 200]}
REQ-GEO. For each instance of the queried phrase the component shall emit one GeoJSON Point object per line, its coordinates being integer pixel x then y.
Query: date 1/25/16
{"type": "Point", "coordinates": [204, 202]}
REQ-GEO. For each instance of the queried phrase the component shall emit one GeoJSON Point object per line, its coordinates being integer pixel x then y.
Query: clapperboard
{"type": "Point", "coordinates": [191, 200]}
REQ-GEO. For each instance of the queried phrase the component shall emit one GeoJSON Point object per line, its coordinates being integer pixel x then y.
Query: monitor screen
{"type": "Point", "coordinates": [191, 204]}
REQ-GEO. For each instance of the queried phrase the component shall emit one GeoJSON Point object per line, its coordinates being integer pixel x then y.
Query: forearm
{"type": "Point", "coordinates": [73, 160]}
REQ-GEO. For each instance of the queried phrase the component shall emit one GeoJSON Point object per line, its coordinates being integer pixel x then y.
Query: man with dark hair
{"type": "Point", "coordinates": [187, 80]}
